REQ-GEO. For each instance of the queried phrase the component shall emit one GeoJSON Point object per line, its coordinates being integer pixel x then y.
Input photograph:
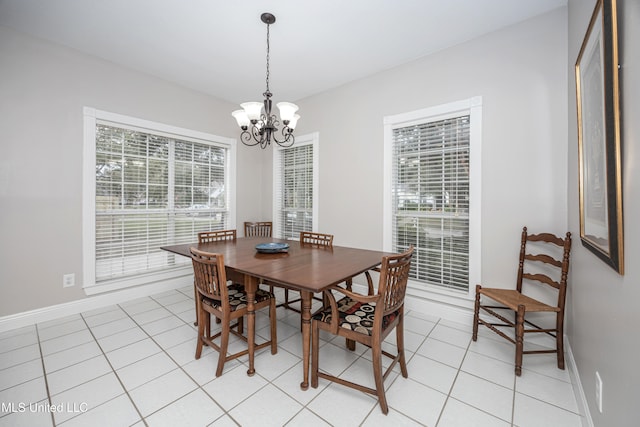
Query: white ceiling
{"type": "Point", "coordinates": [219, 46]}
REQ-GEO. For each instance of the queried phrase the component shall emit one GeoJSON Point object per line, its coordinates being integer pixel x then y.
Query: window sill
{"type": "Point", "coordinates": [176, 275]}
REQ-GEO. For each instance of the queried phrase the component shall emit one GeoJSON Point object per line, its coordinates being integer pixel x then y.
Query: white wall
{"type": "Point", "coordinates": [520, 72]}
{"type": "Point", "coordinates": [603, 326]}
{"type": "Point", "coordinates": [43, 88]}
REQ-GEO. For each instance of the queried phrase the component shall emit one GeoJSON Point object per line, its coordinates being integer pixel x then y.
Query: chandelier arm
{"type": "Point", "coordinates": [288, 139]}
{"type": "Point", "coordinates": [247, 139]}
{"type": "Point", "coordinates": [258, 132]}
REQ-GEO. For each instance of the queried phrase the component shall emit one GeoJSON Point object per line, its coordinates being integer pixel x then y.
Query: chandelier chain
{"type": "Point", "coordinates": [268, 58]}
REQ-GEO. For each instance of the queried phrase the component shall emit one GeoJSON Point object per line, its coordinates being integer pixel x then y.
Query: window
{"type": "Point", "coordinates": [432, 182]}
{"type": "Point", "coordinates": [148, 185]}
{"type": "Point", "coordinates": [295, 187]}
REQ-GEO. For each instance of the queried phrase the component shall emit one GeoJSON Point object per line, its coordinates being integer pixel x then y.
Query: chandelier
{"type": "Point", "coordinates": [258, 124]}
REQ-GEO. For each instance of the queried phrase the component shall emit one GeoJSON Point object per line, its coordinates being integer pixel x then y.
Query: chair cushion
{"type": "Point", "coordinates": [238, 297]}
{"type": "Point", "coordinates": [355, 316]}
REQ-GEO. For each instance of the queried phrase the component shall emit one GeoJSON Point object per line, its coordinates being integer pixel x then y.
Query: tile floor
{"type": "Point", "coordinates": [133, 365]}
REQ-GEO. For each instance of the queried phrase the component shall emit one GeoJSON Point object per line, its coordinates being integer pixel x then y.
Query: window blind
{"type": "Point", "coordinates": [153, 190]}
{"type": "Point", "coordinates": [430, 199]}
{"type": "Point", "coordinates": [294, 190]}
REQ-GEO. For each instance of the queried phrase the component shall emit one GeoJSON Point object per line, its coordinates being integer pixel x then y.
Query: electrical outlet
{"type": "Point", "coordinates": [68, 280]}
{"type": "Point", "coordinates": [599, 392]}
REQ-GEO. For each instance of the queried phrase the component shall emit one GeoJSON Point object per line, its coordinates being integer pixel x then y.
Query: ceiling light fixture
{"type": "Point", "coordinates": [264, 125]}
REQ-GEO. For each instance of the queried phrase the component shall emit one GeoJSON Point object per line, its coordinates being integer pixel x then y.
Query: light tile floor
{"type": "Point", "coordinates": [133, 364]}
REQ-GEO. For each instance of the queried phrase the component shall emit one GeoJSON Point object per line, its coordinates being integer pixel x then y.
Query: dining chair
{"type": "Point", "coordinates": [308, 239]}
{"type": "Point", "coordinates": [228, 303]}
{"type": "Point", "coordinates": [367, 319]}
{"type": "Point", "coordinates": [215, 236]}
{"type": "Point", "coordinates": [218, 236]}
{"type": "Point", "coordinates": [257, 229]}
{"type": "Point", "coordinates": [540, 273]}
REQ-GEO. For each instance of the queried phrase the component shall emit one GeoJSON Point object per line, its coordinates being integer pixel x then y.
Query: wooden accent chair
{"type": "Point", "coordinates": [216, 236]}
{"type": "Point", "coordinates": [318, 240]}
{"type": "Point", "coordinates": [534, 271]}
{"type": "Point", "coordinates": [367, 319]}
{"type": "Point", "coordinates": [227, 303]}
{"type": "Point", "coordinates": [213, 236]}
{"type": "Point", "coordinates": [310, 239]}
{"type": "Point", "coordinates": [258, 229]}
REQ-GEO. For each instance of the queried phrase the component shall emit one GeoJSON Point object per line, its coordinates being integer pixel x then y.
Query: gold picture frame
{"type": "Point", "coordinates": [599, 145]}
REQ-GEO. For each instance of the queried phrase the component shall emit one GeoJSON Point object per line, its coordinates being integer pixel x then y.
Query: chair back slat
{"type": "Point", "coordinates": [257, 229]}
{"type": "Point", "coordinates": [394, 275]}
{"type": "Point", "coordinates": [540, 267]}
{"type": "Point", "coordinates": [216, 236]}
{"type": "Point", "coordinates": [543, 258]}
{"type": "Point", "coordinates": [543, 278]}
{"type": "Point", "coordinates": [209, 275]}
{"type": "Point", "coordinates": [546, 237]}
{"type": "Point", "coordinates": [308, 238]}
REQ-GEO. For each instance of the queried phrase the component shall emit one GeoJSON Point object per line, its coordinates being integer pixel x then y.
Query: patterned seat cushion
{"type": "Point", "coordinates": [355, 316]}
{"type": "Point", "coordinates": [238, 297]}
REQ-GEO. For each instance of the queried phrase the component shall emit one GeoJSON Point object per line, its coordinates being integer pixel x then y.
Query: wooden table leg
{"type": "Point", "coordinates": [306, 336]}
{"type": "Point", "coordinates": [250, 287]}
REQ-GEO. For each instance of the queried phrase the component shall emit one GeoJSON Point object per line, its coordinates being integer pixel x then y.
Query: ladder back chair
{"type": "Point", "coordinates": [228, 303]}
{"type": "Point", "coordinates": [540, 273]}
{"type": "Point", "coordinates": [367, 319]}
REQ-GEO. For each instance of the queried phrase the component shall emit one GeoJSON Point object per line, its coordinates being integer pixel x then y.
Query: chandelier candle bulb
{"type": "Point", "coordinates": [287, 110]}
{"type": "Point", "coordinates": [293, 122]}
{"type": "Point", "coordinates": [253, 110]}
{"type": "Point", "coordinates": [242, 119]}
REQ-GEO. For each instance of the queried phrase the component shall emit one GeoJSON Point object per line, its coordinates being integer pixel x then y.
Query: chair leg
{"type": "Point", "coordinates": [519, 338]}
{"type": "Point", "coordinates": [240, 325]}
{"type": "Point", "coordinates": [377, 375]}
{"type": "Point", "coordinates": [286, 298]}
{"type": "Point", "coordinates": [195, 300]}
{"type": "Point", "coordinates": [201, 331]}
{"type": "Point", "coordinates": [560, 340]}
{"type": "Point", "coordinates": [206, 319]}
{"type": "Point", "coordinates": [476, 314]}
{"type": "Point", "coordinates": [400, 345]}
{"type": "Point", "coordinates": [224, 344]}
{"type": "Point", "coordinates": [315, 353]}
{"type": "Point", "coordinates": [274, 328]}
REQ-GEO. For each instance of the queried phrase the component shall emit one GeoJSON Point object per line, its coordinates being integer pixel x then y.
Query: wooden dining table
{"type": "Point", "coordinates": [303, 268]}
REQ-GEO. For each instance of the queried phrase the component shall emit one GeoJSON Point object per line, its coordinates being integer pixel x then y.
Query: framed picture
{"type": "Point", "coordinates": [599, 146]}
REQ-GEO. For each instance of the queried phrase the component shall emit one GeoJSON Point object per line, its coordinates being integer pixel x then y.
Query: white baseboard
{"type": "Point", "coordinates": [57, 311]}
{"type": "Point", "coordinates": [439, 309]}
{"type": "Point", "coordinates": [578, 391]}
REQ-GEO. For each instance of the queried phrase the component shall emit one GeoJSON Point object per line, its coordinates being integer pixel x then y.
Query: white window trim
{"type": "Point", "coordinates": [313, 139]}
{"type": "Point", "coordinates": [91, 117]}
{"type": "Point", "coordinates": [473, 107]}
